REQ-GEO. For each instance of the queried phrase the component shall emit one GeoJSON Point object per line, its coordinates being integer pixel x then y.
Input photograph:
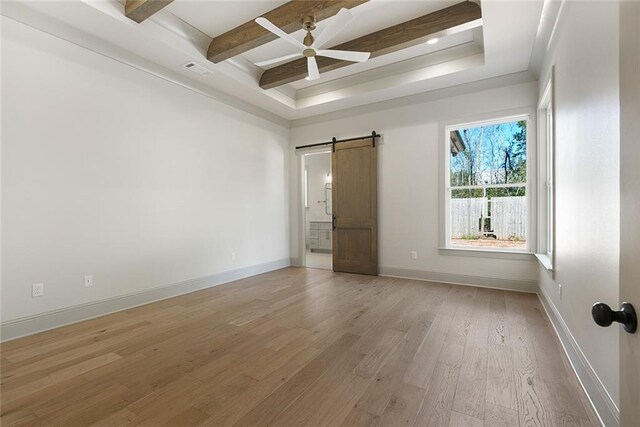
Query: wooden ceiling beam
{"type": "Point", "coordinates": [288, 17]}
{"type": "Point", "coordinates": [139, 10]}
{"type": "Point", "coordinates": [446, 21]}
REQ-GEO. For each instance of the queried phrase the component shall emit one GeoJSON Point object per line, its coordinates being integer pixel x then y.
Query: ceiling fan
{"type": "Point", "coordinates": [310, 46]}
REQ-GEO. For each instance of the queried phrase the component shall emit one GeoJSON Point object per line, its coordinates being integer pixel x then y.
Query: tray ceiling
{"type": "Point", "coordinates": [182, 31]}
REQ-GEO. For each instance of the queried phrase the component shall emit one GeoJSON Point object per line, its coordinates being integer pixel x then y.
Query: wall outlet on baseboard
{"type": "Point", "coordinates": [560, 290]}
{"type": "Point", "coordinates": [414, 255]}
{"type": "Point", "coordinates": [37, 290]}
{"type": "Point", "coordinates": [233, 256]}
{"type": "Point", "coordinates": [88, 281]}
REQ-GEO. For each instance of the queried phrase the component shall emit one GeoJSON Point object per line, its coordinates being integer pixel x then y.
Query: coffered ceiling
{"type": "Point", "coordinates": [176, 32]}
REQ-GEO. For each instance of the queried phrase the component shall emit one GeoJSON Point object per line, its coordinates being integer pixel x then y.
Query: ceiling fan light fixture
{"type": "Point", "coordinates": [433, 40]}
{"type": "Point", "coordinates": [311, 46]}
{"type": "Point", "coordinates": [308, 39]}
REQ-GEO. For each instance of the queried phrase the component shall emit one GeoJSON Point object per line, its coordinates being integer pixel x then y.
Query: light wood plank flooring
{"type": "Point", "coordinates": [301, 347]}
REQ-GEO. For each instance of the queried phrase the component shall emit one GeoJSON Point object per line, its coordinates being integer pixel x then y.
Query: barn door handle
{"type": "Point", "coordinates": [604, 316]}
{"type": "Point", "coordinates": [333, 222]}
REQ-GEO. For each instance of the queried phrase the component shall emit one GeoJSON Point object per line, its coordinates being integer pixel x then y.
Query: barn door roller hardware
{"type": "Point", "coordinates": [335, 141]}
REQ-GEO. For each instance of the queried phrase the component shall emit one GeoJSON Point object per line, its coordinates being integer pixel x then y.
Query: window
{"type": "Point", "coordinates": [546, 198]}
{"type": "Point", "coordinates": [486, 185]}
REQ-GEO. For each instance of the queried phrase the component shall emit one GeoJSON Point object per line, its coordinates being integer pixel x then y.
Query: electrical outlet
{"type": "Point", "coordinates": [88, 281]}
{"type": "Point", "coordinates": [560, 290]}
{"type": "Point", "coordinates": [414, 255]}
{"type": "Point", "coordinates": [233, 256]}
{"type": "Point", "coordinates": [37, 290]}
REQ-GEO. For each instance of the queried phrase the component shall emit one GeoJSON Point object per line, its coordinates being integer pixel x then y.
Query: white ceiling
{"type": "Point", "coordinates": [182, 31]}
{"type": "Point", "coordinates": [217, 17]}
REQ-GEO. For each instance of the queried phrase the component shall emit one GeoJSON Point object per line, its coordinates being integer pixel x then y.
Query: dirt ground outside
{"type": "Point", "coordinates": [491, 243]}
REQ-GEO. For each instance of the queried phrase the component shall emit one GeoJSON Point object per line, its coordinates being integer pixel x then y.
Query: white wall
{"type": "Point", "coordinates": [587, 141]}
{"type": "Point", "coordinates": [110, 171]}
{"type": "Point", "coordinates": [409, 180]}
{"type": "Point", "coordinates": [629, 205]}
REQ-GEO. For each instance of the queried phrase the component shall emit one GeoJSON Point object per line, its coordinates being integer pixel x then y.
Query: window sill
{"type": "Point", "coordinates": [545, 260]}
{"type": "Point", "coordinates": [487, 253]}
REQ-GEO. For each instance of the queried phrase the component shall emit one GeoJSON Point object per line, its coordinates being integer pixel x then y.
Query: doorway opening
{"type": "Point", "coordinates": [318, 205]}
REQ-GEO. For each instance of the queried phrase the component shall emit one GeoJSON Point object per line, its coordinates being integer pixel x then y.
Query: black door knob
{"type": "Point", "coordinates": [604, 316]}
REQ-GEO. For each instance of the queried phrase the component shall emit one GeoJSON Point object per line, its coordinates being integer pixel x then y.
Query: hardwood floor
{"type": "Point", "coordinates": [301, 347]}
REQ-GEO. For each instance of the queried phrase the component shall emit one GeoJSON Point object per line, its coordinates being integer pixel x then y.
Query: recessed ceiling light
{"type": "Point", "coordinates": [433, 41]}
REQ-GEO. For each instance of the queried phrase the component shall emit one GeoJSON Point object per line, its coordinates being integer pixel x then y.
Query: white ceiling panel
{"type": "Point", "coordinates": [215, 17]}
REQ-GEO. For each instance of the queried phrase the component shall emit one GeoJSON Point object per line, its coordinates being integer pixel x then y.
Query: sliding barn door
{"type": "Point", "coordinates": [355, 207]}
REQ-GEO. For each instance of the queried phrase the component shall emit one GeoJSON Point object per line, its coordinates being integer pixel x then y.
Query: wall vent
{"type": "Point", "coordinates": [198, 69]}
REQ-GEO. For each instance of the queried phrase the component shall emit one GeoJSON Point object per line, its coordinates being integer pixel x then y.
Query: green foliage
{"type": "Point", "coordinates": [470, 237]}
{"type": "Point", "coordinates": [489, 192]}
{"type": "Point", "coordinates": [516, 153]}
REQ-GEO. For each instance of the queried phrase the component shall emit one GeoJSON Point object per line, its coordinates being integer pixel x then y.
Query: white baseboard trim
{"type": "Point", "coordinates": [600, 399]}
{"type": "Point", "coordinates": [41, 322]}
{"type": "Point", "coordinates": [462, 279]}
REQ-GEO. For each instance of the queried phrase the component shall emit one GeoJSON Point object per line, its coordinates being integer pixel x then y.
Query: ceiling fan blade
{"type": "Point", "coordinates": [337, 24]}
{"type": "Point", "coordinates": [312, 68]}
{"type": "Point", "coordinates": [345, 55]}
{"type": "Point", "coordinates": [267, 25]}
{"type": "Point", "coordinates": [277, 60]}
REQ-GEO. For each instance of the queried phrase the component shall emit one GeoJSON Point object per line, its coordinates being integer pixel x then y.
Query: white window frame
{"type": "Point", "coordinates": [486, 120]}
{"type": "Point", "coordinates": [545, 252]}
